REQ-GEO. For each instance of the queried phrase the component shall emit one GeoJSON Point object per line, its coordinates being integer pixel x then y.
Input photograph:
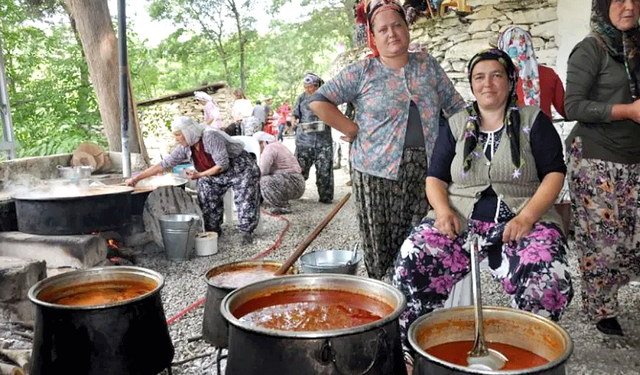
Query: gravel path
{"type": "Point", "coordinates": [594, 353]}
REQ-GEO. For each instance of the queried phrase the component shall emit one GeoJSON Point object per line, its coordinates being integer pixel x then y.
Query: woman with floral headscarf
{"type": "Point", "coordinates": [221, 163]}
{"type": "Point", "coordinates": [603, 78]}
{"type": "Point", "coordinates": [399, 98]}
{"type": "Point", "coordinates": [538, 85]}
{"type": "Point", "coordinates": [495, 172]}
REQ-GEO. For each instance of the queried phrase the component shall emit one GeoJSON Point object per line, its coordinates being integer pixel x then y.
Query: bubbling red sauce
{"type": "Point", "coordinates": [99, 293]}
{"type": "Point", "coordinates": [457, 352]}
{"type": "Point", "coordinates": [240, 277]}
{"type": "Point", "coordinates": [312, 310]}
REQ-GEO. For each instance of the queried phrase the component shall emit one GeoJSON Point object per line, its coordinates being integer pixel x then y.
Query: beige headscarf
{"type": "Point", "coordinates": [193, 131]}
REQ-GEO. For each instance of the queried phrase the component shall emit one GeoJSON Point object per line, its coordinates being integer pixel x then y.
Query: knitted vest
{"type": "Point", "coordinates": [465, 188]}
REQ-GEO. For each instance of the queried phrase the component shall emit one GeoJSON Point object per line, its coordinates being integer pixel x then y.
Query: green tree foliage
{"type": "Point", "coordinates": [53, 108]}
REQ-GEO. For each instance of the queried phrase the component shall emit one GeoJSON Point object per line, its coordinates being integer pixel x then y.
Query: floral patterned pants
{"type": "Point", "coordinates": [322, 157]}
{"type": "Point", "coordinates": [533, 270]}
{"type": "Point", "coordinates": [277, 189]}
{"type": "Point", "coordinates": [606, 215]}
{"type": "Point", "coordinates": [243, 176]}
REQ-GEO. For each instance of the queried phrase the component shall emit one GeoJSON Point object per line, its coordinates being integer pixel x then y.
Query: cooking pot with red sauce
{"type": "Point", "coordinates": [99, 321]}
{"type": "Point", "coordinates": [531, 343]}
{"type": "Point", "coordinates": [222, 280]}
{"type": "Point", "coordinates": [315, 324]}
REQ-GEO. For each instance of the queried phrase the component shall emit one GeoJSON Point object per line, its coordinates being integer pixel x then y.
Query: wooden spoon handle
{"type": "Point", "coordinates": [303, 246]}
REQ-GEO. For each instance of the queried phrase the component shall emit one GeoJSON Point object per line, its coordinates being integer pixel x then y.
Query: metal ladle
{"type": "Point", "coordinates": [481, 357]}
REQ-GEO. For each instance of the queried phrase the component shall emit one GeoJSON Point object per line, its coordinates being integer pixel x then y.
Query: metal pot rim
{"type": "Point", "coordinates": [35, 195]}
{"type": "Point", "coordinates": [411, 337]}
{"type": "Point", "coordinates": [73, 275]}
{"type": "Point", "coordinates": [312, 279]}
{"type": "Point", "coordinates": [207, 279]}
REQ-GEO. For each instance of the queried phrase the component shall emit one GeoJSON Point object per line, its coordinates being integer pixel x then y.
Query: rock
{"type": "Point", "coordinates": [458, 76]}
{"type": "Point", "coordinates": [484, 13]}
{"type": "Point", "coordinates": [480, 25]}
{"type": "Point", "coordinates": [483, 35]}
{"type": "Point", "coordinates": [495, 27]}
{"type": "Point", "coordinates": [547, 57]}
{"type": "Point", "coordinates": [533, 16]}
{"type": "Point", "coordinates": [465, 90]}
{"type": "Point", "coordinates": [446, 46]}
{"type": "Point", "coordinates": [466, 50]}
{"type": "Point", "coordinates": [457, 38]}
{"type": "Point", "coordinates": [546, 30]}
{"type": "Point", "coordinates": [551, 44]}
{"type": "Point", "coordinates": [17, 276]}
{"type": "Point", "coordinates": [448, 23]}
{"type": "Point", "coordinates": [446, 66]}
{"type": "Point", "coordinates": [458, 66]}
{"type": "Point", "coordinates": [474, 3]}
{"type": "Point", "coordinates": [538, 43]}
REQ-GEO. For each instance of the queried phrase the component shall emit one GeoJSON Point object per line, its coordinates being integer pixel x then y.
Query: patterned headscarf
{"type": "Point", "coordinates": [472, 149]}
{"type": "Point", "coordinates": [373, 7]}
{"type": "Point", "coordinates": [622, 46]}
{"type": "Point", "coordinates": [517, 43]}
{"type": "Point", "coordinates": [312, 79]}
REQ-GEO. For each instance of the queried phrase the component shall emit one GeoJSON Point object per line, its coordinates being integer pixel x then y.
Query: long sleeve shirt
{"type": "Point", "coordinates": [276, 158]}
{"type": "Point", "coordinates": [214, 144]}
{"type": "Point", "coordinates": [382, 97]}
{"type": "Point", "coordinates": [595, 82]}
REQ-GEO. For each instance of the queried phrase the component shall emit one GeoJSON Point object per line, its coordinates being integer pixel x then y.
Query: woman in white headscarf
{"type": "Point", "coordinates": [282, 178]}
{"type": "Point", "coordinates": [538, 85]}
{"type": "Point", "coordinates": [211, 109]}
{"type": "Point", "coordinates": [220, 163]}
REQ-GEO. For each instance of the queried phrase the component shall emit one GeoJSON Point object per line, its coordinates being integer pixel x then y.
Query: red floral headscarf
{"type": "Point", "coordinates": [373, 7]}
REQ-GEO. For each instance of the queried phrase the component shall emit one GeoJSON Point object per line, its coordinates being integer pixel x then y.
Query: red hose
{"type": "Point", "coordinates": [258, 256]}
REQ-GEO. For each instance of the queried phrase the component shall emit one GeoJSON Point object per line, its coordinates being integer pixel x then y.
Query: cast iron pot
{"type": "Point", "coordinates": [130, 337]}
{"type": "Point", "coordinates": [373, 349]}
{"type": "Point", "coordinates": [215, 330]}
{"type": "Point", "coordinates": [504, 325]}
{"type": "Point", "coordinates": [80, 211]}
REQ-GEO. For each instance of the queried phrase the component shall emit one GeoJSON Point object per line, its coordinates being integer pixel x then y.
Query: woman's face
{"type": "Point", "coordinates": [390, 33]}
{"type": "Point", "coordinates": [180, 138]}
{"type": "Point", "coordinates": [310, 89]}
{"type": "Point", "coordinates": [624, 14]}
{"type": "Point", "coordinates": [490, 84]}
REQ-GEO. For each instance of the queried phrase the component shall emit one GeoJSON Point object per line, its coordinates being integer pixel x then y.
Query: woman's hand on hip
{"type": "Point", "coordinates": [447, 223]}
{"type": "Point", "coordinates": [516, 229]}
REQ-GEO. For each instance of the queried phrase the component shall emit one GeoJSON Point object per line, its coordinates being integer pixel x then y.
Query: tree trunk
{"type": "Point", "coordinates": [241, 41]}
{"type": "Point", "coordinates": [101, 49]}
{"type": "Point", "coordinates": [84, 90]}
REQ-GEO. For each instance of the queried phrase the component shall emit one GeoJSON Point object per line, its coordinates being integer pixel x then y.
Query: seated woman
{"type": "Point", "coordinates": [221, 163]}
{"type": "Point", "coordinates": [282, 178]}
{"type": "Point", "coordinates": [496, 170]}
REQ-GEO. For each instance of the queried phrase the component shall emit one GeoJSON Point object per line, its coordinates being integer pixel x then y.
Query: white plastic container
{"type": "Point", "coordinates": [206, 244]}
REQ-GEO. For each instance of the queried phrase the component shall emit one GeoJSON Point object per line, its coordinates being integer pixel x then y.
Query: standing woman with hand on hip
{"type": "Point", "coordinates": [398, 97]}
{"type": "Point", "coordinates": [603, 88]}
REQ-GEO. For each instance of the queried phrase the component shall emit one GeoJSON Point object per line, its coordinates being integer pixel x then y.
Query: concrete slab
{"type": "Point", "coordinates": [81, 251]}
{"type": "Point", "coordinates": [17, 276]}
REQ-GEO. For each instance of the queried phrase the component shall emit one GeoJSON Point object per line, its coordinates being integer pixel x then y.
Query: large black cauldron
{"type": "Point", "coordinates": [125, 338]}
{"type": "Point", "coordinates": [370, 349]}
{"type": "Point", "coordinates": [73, 210]}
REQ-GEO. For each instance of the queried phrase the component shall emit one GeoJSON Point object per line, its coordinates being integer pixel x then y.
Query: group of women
{"type": "Point", "coordinates": [494, 168]}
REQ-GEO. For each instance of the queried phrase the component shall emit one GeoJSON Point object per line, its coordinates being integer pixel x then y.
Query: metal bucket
{"type": "Point", "coordinates": [372, 349]}
{"type": "Point", "coordinates": [215, 329]}
{"type": "Point", "coordinates": [504, 325]}
{"type": "Point", "coordinates": [331, 261]}
{"type": "Point", "coordinates": [178, 235]}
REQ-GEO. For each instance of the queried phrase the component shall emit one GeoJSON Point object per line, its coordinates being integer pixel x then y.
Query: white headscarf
{"type": "Point", "coordinates": [203, 96]}
{"type": "Point", "coordinates": [193, 131]}
{"type": "Point", "coordinates": [264, 137]}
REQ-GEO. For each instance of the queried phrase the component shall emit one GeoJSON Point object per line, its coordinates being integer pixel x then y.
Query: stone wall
{"type": "Point", "coordinates": [455, 38]}
{"type": "Point", "coordinates": [155, 120]}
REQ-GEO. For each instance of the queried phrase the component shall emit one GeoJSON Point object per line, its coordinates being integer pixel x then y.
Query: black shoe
{"type": "Point", "coordinates": [610, 326]}
{"type": "Point", "coordinates": [247, 238]}
{"type": "Point", "coordinates": [326, 201]}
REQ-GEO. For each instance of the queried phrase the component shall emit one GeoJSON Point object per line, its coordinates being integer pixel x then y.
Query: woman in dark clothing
{"type": "Point", "coordinates": [314, 147]}
{"type": "Point", "coordinates": [220, 163]}
{"type": "Point", "coordinates": [495, 172]}
{"type": "Point", "coordinates": [603, 78]}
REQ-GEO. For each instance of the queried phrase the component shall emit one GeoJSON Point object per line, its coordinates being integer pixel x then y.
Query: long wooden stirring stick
{"type": "Point", "coordinates": [303, 246]}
